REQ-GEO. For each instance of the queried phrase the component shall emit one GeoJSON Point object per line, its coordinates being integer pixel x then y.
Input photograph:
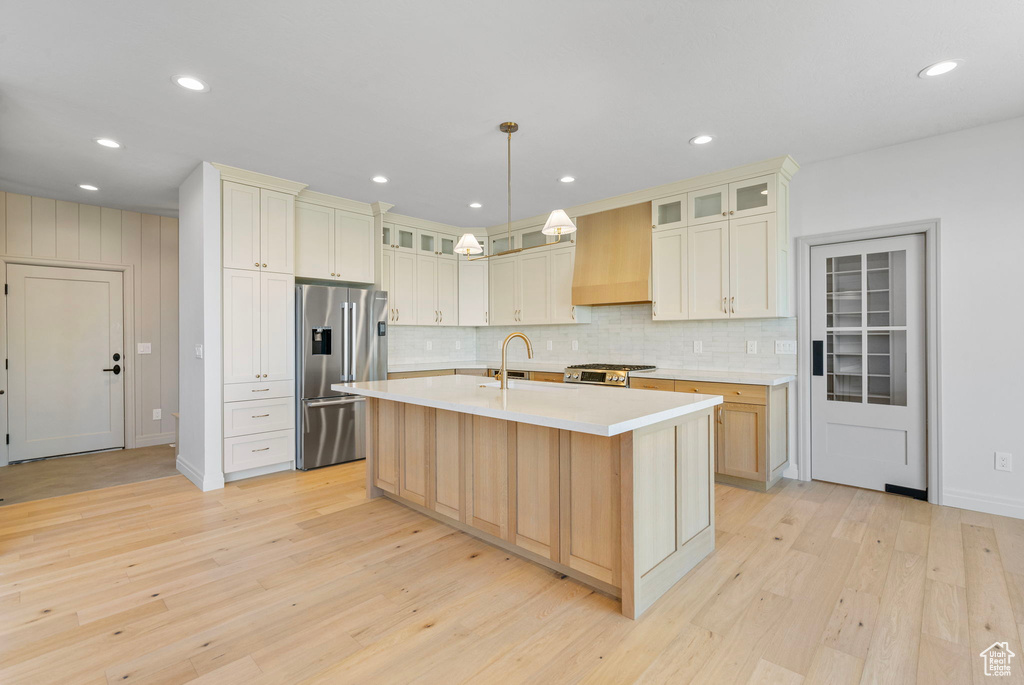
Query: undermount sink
{"type": "Point", "coordinates": [537, 386]}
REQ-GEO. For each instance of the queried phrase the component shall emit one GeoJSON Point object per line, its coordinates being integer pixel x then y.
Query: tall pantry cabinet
{"type": "Point", "coordinates": [258, 234]}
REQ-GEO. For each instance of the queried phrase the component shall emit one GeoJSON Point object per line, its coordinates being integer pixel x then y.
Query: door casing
{"type": "Point", "coordinates": [801, 467]}
{"type": "Point", "coordinates": [128, 298]}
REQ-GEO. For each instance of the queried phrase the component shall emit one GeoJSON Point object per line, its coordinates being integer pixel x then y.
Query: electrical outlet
{"type": "Point", "coordinates": [751, 347]}
{"type": "Point", "coordinates": [458, 344]}
{"type": "Point", "coordinates": [1004, 461]}
{"type": "Point", "coordinates": [785, 347]}
{"type": "Point", "coordinates": [156, 414]}
{"type": "Point", "coordinates": [698, 347]}
{"type": "Point", "coordinates": [145, 348]}
{"type": "Point", "coordinates": [575, 345]}
{"type": "Point", "coordinates": [549, 346]}
{"type": "Point", "coordinates": [430, 345]}
{"type": "Point", "coordinates": [199, 351]}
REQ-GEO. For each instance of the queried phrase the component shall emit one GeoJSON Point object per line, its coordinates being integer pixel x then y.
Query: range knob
{"type": "Point", "coordinates": [620, 378]}
{"type": "Point", "coordinates": [576, 376]}
{"type": "Point", "coordinates": [568, 375]}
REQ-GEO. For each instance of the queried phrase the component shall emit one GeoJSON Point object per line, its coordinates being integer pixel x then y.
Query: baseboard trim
{"type": "Point", "coordinates": [259, 471]}
{"type": "Point", "coordinates": [213, 481]}
{"type": "Point", "coordinates": [988, 504]}
{"type": "Point", "coordinates": [155, 439]}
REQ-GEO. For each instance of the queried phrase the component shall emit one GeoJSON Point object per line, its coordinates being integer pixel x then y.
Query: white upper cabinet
{"type": "Point", "coordinates": [669, 212]}
{"type": "Point", "coordinates": [436, 244]}
{"type": "Point", "coordinates": [277, 318]}
{"type": "Point", "coordinates": [353, 247]}
{"type": "Point", "coordinates": [398, 237]}
{"type": "Point", "coordinates": [402, 293]}
{"type": "Point", "coordinates": [333, 244]}
{"type": "Point", "coordinates": [561, 263]}
{"type": "Point", "coordinates": [668, 275]}
{"type": "Point", "coordinates": [534, 288]}
{"type": "Point", "coordinates": [473, 293]}
{"type": "Point", "coordinates": [707, 205]}
{"type": "Point", "coordinates": [277, 231]}
{"type": "Point", "coordinates": [751, 197]}
{"type": "Point", "coordinates": [708, 270]}
{"type": "Point", "coordinates": [241, 326]}
{"type": "Point", "coordinates": [241, 222]}
{"type": "Point", "coordinates": [753, 249]}
{"type": "Point", "coordinates": [426, 291]}
{"type": "Point", "coordinates": [501, 243]}
{"type": "Point", "coordinates": [447, 292]}
{"type": "Point", "coordinates": [503, 296]}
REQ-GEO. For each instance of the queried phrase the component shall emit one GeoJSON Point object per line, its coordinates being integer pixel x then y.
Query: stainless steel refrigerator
{"type": "Point", "coordinates": [341, 336]}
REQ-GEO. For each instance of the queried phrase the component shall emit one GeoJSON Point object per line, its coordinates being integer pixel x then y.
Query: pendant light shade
{"type": "Point", "coordinates": [468, 244]}
{"type": "Point", "coordinates": [558, 223]}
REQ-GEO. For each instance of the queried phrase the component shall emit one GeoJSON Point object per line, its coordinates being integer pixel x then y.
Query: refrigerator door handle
{"type": "Point", "coordinates": [346, 341]}
{"type": "Point", "coordinates": [351, 341]}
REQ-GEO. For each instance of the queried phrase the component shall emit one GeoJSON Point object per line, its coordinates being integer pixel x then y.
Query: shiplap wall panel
{"type": "Point", "coordinates": [66, 230]}
{"type": "Point", "coordinates": [168, 320]}
{"type": "Point", "coordinates": [110, 235]}
{"type": "Point", "coordinates": [44, 227]}
{"type": "Point", "coordinates": [88, 233]}
{"type": "Point", "coordinates": [19, 225]}
{"type": "Point", "coordinates": [71, 232]}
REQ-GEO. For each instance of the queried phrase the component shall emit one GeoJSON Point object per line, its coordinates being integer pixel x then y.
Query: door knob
{"type": "Point", "coordinates": [116, 370]}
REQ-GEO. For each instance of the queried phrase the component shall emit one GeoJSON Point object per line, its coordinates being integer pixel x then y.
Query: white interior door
{"type": "Point", "coordinates": [868, 406]}
{"type": "Point", "coordinates": [64, 328]}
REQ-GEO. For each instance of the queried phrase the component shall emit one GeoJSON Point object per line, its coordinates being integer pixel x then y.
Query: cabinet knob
{"type": "Point", "coordinates": [257, 375]}
{"type": "Point", "coordinates": [264, 375]}
{"type": "Point", "coordinates": [256, 264]}
{"type": "Point", "coordinates": [723, 214]}
{"type": "Point", "coordinates": [730, 211]}
{"type": "Point", "coordinates": [264, 266]}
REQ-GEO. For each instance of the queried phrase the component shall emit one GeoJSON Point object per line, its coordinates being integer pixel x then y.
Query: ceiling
{"type": "Point", "coordinates": [332, 93]}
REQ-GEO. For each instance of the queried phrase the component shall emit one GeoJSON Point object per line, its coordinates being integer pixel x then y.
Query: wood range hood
{"type": "Point", "coordinates": [613, 257]}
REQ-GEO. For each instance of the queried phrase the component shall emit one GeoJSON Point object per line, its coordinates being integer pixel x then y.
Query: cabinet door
{"type": "Point", "coordinates": [589, 484]}
{"type": "Point", "coordinates": [753, 196]}
{"type": "Point", "coordinates": [241, 326]}
{"type": "Point", "coordinates": [426, 291]}
{"type": "Point", "coordinates": [502, 276]}
{"type": "Point", "coordinates": [405, 238]}
{"type": "Point", "coordinates": [534, 490]}
{"type": "Point", "coordinates": [753, 265]}
{"type": "Point", "coordinates": [741, 441]}
{"type": "Point", "coordinates": [500, 243]}
{"type": "Point", "coordinates": [403, 282]}
{"type": "Point", "coordinates": [534, 282]}
{"type": "Point", "coordinates": [447, 292]}
{"type": "Point", "coordinates": [669, 213]}
{"type": "Point", "coordinates": [417, 453]}
{"type": "Point", "coordinates": [353, 247]}
{"type": "Point", "coordinates": [532, 237]}
{"type": "Point", "coordinates": [562, 261]}
{"type": "Point", "coordinates": [446, 246]}
{"type": "Point", "coordinates": [668, 275]}
{"type": "Point", "coordinates": [386, 445]}
{"type": "Point", "coordinates": [487, 476]}
{"type": "Point", "coordinates": [447, 472]}
{"type": "Point", "coordinates": [277, 327]}
{"type": "Point", "coordinates": [277, 231]}
{"type": "Point", "coordinates": [314, 241]}
{"type": "Point", "coordinates": [387, 275]}
{"type": "Point", "coordinates": [241, 226]}
{"type": "Point", "coordinates": [708, 270]}
{"type": "Point", "coordinates": [707, 205]}
{"type": "Point", "coordinates": [473, 298]}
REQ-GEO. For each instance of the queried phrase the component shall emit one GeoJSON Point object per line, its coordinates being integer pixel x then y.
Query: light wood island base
{"type": "Point", "coordinates": [629, 515]}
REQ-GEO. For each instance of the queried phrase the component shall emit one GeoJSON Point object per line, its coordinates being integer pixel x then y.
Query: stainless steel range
{"type": "Point", "coordinates": [615, 375]}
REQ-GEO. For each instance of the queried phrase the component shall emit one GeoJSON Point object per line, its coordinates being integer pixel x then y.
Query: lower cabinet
{"type": "Point", "coordinates": [262, 449]}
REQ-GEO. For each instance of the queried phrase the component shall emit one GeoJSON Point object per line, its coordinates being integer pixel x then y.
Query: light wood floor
{"type": "Point", "coordinates": [53, 477]}
{"type": "Point", "coordinates": [293, 577]}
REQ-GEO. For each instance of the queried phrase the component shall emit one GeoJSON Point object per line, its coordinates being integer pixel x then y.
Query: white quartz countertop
{"type": "Point", "coordinates": [707, 376]}
{"type": "Point", "coordinates": [582, 408]}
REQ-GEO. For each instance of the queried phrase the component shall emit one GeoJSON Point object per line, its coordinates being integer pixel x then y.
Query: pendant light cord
{"type": "Point", "coordinates": [508, 224]}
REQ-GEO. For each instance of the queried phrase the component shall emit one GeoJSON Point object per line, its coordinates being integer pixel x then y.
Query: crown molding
{"type": "Point", "coordinates": [230, 173]}
{"type": "Point", "coordinates": [380, 208]}
{"type": "Point", "coordinates": [325, 200]}
{"type": "Point", "coordinates": [423, 224]}
{"type": "Point", "coordinates": [786, 166]}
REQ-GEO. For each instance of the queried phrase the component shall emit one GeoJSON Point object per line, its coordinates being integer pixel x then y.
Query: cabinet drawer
{"type": "Point", "coordinates": [240, 392]}
{"type": "Point", "coordinates": [253, 451]}
{"type": "Point", "coordinates": [258, 416]}
{"type": "Point", "coordinates": [732, 392]}
{"type": "Point", "coordinates": [546, 376]}
{"type": "Point", "coordinates": [651, 384]}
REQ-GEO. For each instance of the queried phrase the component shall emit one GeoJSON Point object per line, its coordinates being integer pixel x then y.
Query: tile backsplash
{"type": "Point", "coordinates": [618, 334]}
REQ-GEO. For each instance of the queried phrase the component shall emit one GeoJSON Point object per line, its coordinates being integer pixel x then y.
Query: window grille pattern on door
{"type": "Point", "coordinates": [866, 328]}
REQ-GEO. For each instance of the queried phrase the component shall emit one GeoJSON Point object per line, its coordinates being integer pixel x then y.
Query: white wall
{"type": "Point", "coordinates": [200, 323]}
{"type": "Point", "coordinates": [70, 232]}
{"type": "Point", "coordinates": [973, 182]}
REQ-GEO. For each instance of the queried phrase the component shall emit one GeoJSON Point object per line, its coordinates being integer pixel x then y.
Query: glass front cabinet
{"type": "Point", "coordinates": [668, 213]}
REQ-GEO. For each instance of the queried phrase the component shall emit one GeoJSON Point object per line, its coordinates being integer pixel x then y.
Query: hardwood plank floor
{"type": "Point", "coordinates": [296, 577]}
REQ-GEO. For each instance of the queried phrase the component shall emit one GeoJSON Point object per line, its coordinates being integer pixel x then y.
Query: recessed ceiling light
{"type": "Point", "coordinates": [191, 83]}
{"type": "Point", "coordinates": [107, 142]}
{"type": "Point", "coordinates": [86, 186]}
{"type": "Point", "coordinates": [475, 205]}
{"type": "Point", "coordinates": [700, 140]}
{"type": "Point", "coordinates": [380, 179]}
{"type": "Point", "coordinates": [567, 179]}
{"type": "Point", "coordinates": [939, 68]}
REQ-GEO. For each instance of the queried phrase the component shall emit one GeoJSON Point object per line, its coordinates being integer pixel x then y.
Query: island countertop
{"type": "Point", "coordinates": [580, 408]}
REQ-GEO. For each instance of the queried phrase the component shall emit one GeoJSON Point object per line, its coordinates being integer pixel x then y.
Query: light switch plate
{"type": "Point", "coordinates": [157, 413]}
{"type": "Point", "coordinates": [575, 345]}
{"type": "Point", "coordinates": [751, 347]}
{"type": "Point", "coordinates": [698, 347]}
{"type": "Point", "coordinates": [430, 345]}
{"type": "Point", "coordinates": [199, 351]}
{"type": "Point", "coordinates": [1004, 461]}
{"type": "Point", "coordinates": [785, 347]}
{"type": "Point", "coordinates": [145, 348]}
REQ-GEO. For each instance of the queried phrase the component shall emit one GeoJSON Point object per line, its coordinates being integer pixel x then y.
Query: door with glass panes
{"type": "Point", "coordinates": [868, 406]}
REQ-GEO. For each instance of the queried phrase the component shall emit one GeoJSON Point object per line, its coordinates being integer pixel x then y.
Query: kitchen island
{"type": "Point", "coordinates": [610, 486]}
